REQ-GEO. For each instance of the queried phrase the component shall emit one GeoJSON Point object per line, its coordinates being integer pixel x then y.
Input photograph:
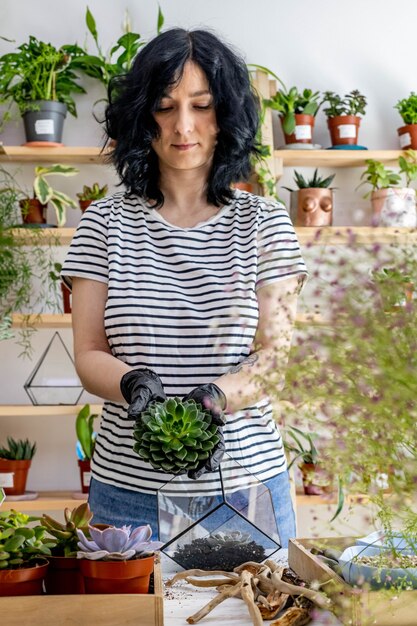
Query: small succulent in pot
{"type": "Point", "coordinates": [21, 545]}
{"type": "Point", "coordinates": [116, 544]}
{"type": "Point", "coordinates": [66, 534]}
{"type": "Point", "coordinates": [175, 435]}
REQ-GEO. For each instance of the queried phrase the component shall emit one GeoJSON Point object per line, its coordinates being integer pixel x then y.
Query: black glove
{"type": "Point", "coordinates": [139, 389]}
{"type": "Point", "coordinates": [213, 400]}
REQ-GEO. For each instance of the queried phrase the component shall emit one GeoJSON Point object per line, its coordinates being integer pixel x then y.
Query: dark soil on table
{"type": "Point", "coordinates": [201, 554]}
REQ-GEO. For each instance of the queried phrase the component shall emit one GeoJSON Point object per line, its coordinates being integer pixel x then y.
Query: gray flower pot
{"type": "Point", "coordinates": [45, 122]}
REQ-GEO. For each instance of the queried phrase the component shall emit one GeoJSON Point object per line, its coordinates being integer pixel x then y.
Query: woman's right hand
{"type": "Point", "coordinates": [139, 388]}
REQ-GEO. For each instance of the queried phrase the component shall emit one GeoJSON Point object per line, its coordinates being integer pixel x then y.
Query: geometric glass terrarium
{"type": "Point", "coordinates": [54, 380]}
{"type": "Point", "coordinates": [231, 521]}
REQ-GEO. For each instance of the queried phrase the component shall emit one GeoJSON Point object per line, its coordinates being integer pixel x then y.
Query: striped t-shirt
{"type": "Point", "coordinates": [182, 302]}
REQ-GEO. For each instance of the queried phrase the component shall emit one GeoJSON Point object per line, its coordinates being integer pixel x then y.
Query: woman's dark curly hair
{"type": "Point", "coordinates": [135, 96]}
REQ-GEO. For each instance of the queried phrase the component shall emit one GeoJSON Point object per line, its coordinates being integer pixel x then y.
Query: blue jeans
{"type": "Point", "coordinates": [118, 506]}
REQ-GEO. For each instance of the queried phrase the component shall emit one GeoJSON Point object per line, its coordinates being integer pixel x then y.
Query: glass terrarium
{"type": "Point", "coordinates": [229, 522]}
{"type": "Point", "coordinates": [54, 379]}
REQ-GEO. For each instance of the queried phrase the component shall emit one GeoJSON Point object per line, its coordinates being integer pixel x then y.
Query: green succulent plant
{"type": "Point", "coordinates": [175, 435]}
{"type": "Point", "coordinates": [18, 449]}
{"type": "Point", "coordinates": [314, 182]}
{"type": "Point", "coordinates": [19, 543]}
{"type": "Point", "coordinates": [66, 533]}
{"type": "Point", "coordinates": [95, 192]}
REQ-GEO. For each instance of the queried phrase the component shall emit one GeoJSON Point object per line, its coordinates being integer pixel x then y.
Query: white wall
{"type": "Point", "coordinates": [324, 45]}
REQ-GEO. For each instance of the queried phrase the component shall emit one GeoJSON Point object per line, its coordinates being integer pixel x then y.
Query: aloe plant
{"type": "Point", "coordinates": [66, 533]}
{"type": "Point", "coordinates": [315, 182]}
{"type": "Point", "coordinates": [116, 544]}
{"type": "Point", "coordinates": [175, 435]}
{"type": "Point", "coordinates": [18, 449]}
{"type": "Point", "coordinates": [19, 543]}
{"type": "Point", "coordinates": [93, 192]}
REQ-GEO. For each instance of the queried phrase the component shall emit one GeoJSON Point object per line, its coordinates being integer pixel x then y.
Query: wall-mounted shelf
{"type": "Point", "coordinates": [75, 154]}
{"type": "Point", "coordinates": [334, 158]}
{"type": "Point", "coordinates": [29, 410]}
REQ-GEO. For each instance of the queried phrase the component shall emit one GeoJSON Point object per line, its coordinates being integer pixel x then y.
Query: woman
{"type": "Point", "coordinates": [181, 285]}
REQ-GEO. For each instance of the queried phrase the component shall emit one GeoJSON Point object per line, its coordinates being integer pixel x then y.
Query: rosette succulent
{"type": "Point", "coordinates": [116, 544]}
{"type": "Point", "coordinates": [175, 435]}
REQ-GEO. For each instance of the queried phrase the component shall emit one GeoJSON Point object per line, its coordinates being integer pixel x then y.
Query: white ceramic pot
{"type": "Point", "coordinates": [394, 207]}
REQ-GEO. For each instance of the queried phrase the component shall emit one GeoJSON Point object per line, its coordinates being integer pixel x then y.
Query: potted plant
{"type": "Point", "coordinates": [84, 427]}
{"type": "Point", "coordinates": [34, 209]}
{"type": "Point", "coordinates": [63, 576]}
{"type": "Point", "coordinates": [407, 108]}
{"type": "Point", "coordinates": [312, 203]}
{"type": "Point", "coordinates": [55, 275]}
{"type": "Point", "coordinates": [395, 287]}
{"type": "Point", "coordinates": [302, 446]}
{"type": "Point", "coordinates": [23, 565]}
{"type": "Point", "coordinates": [392, 204]}
{"type": "Point", "coordinates": [89, 194]}
{"type": "Point", "coordinates": [40, 80]}
{"type": "Point", "coordinates": [117, 560]}
{"type": "Point", "coordinates": [15, 462]}
{"type": "Point", "coordinates": [343, 116]}
{"type": "Point", "coordinates": [297, 112]}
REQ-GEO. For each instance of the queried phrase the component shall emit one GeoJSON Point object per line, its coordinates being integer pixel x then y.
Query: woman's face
{"type": "Point", "coordinates": [187, 122]}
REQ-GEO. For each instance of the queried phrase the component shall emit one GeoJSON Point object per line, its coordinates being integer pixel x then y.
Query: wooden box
{"type": "Point", "coordinates": [354, 607]}
{"type": "Point", "coordinates": [87, 610]}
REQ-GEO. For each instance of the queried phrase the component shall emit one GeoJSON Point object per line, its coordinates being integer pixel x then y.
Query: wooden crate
{"type": "Point", "coordinates": [87, 610]}
{"type": "Point", "coordinates": [354, 607]}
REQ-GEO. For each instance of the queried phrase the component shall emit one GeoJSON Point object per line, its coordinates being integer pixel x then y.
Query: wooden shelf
{"type": "Point", "coordinates": [333, 158]}
{"type": "Point", "coordinates": [65, 154]}
{"type": "Point", "coordinates": [44, 236]}
{"type": "Point", "coordinates": [29, 410]}
{"type": "Point", "coordinates": [47, 501]}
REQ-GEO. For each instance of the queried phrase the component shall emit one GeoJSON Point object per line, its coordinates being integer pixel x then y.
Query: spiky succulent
{"type": "Point", "coordinates": [66, 534]}
{"type": "Point", "coordinates": [116, 544]}
{"type": "Point", "coordinates": [18, 450]}
{"type": "Point", "coordinates": [175, 435]}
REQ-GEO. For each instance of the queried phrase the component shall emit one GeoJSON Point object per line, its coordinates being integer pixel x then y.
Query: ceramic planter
{"type": "Point", "coordinates": [13, 476]}
{"type": "Point", "coordinates": [131, 576]}
{"type": "Point", "coordinates": [315, 480]}
{"type": "Point", "coordinates": [303, 132]}
{"type": "Point", "coordinates": [394, 207]}
{"type": "Point", "coordinates": [344, 129]}
{"type": "Point", "coordinates": [377, 577]}
{"type": "Point", "coordinates": [408, 136]}
{"type": "Point", "coordinates": [63, 576]}
{"type": "Point", "coordinates": [44, 124]}
{"type": "Point", "coordinates": [85, 474]}
{"type": "Point", "coordinates": [312, 207]}
{"type": "Point", "coordinates": [33, 211]}
{"type": "Point", "coordinates": [25, 581]}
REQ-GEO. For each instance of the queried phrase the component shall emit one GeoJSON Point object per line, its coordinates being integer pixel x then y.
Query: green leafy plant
{"type": "Point", "coordinates": [18, 449]}
{"type": "Point", "coordinates": [408, 166]}
{"type": "Point", "coordinates": [95, 192]}
{"type": "Point", "coordinates": [407, 108]}
{"type": "Point", "coordinates": [20, 544]}
{"type": "Point", "coordinates": [175, 435]}
{"type": "Point", "coordinates": [353, 103]}
{"type": "Point", "coordinates": [84, 427]}
{"type": "Point", "coordinates": [288, 103]}
{"type": "Point", "coordinates": [378, 176]}
{"type": "Point", "coordinates": [395, 286]}
{"type": "Point", "coordinates": [37, 71]}
{"type": "Point", "coordinates": [66, 534]}
{"type": "Point", "coordinates": [304, 450]}
{"type": "Point", "coordinates": [315, 182]}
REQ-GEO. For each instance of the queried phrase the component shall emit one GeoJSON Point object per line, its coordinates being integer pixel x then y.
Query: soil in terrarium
{"type": "Point", "coordinates": [219, 551]}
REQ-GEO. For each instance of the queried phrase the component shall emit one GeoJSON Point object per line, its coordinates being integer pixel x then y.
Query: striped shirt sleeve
{"type": "Point", "coordinates": [87, 254]}
{"type": "Point", "coordinates": [279, 254]}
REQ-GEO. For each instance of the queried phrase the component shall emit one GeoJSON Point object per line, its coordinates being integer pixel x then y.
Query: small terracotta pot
{"type": "Point", "coordinates": [395, 207]}
{"type": "Point", "coordinates": [131, 576]}
{"type": "Point", "coordinates": [85, 474]}
{"type": "Point", "coordinates": [33, 211]}
{"type": "Point", "coordinates": [303, 132]}
{"type": "Point", "coordinates": [344, 129]}
{"type": "Point", "coordinates": [25, 581]}
{"type": "Point", "coordinates": [244, 186]}
{"type": "Point", "coordinates": [408, 136]}
{"type": "Point", "coordinates": [84, 204]}
{"type": "Point", "coordinates": [66, 298]}
{"type": "Point", "coordinates": [312, 207]}
{"type": "Point", "coordinates": [315, 480]}
{"type": "Point", "coordinates": [14, 484]}
{"type": "Point", "coordinates": [63, 576]}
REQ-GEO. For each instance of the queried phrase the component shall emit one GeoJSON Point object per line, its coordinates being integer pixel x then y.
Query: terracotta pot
{"type": "Point", "coordinates": [303, 132]}
{"type": "Point", "coordinates": [394, 207]}
{"type": "Point", "coordinates": [315, 480]}
{"type": "Point", "coordinates": [84, 204]}
{"type": "Point", "coordinates": [33, 211]}
{"type": "Point", "coordinates": [117, 576]}
{"type": "Point", "coordinates": [85, 474]}
{"type": "Point", "coordinates": [66, 298]}
{"type": "Point", "coordinates": [26, 581]}
{"type": "Point", "coordinates": [344, 129]}
{"type": "Point", "coordinates": [13, 476]}
{"type": "Point", "coordinates": [244, 186]}
{"type": "Point", "coordinates": [312, 207]}
{"type": "Point", "coordinates": [408, 136]}
{"type": "Point", "coordinates": [63, 576]}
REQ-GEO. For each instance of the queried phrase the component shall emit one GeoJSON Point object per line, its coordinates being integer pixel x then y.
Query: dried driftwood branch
{"type": "Point", "coordinates": [294, 616]}
{"type": "Point", "coordinates": [223, 595]}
